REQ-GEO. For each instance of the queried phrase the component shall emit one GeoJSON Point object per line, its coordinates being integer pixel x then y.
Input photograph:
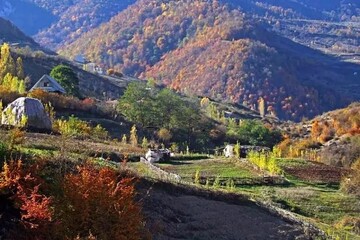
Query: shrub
{"type": "Point", "coordinates": [351, 184]}
{"type": "Point", "coordinates": [23, 186]}
{"type": "Point", "coordinates": [102, 204]}
{"type": "Point", "coordinates": [99, 132]}
{"type": "Point", "coordinates": [62, 102]}
{"type": "Point", "coordinates": [352, 223]}
{"type": "Point", "coordinates": [7, 96]}
{"type": "Point", "coordinates": [73, 127]}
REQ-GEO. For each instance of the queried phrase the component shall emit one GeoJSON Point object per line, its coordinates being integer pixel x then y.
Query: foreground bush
{"type": "Point", "coordinates": [23, 188]}
{"type": "Point", "coordinates": [102, 203]}
{"type": "Point", "coordinates": [86, 202]}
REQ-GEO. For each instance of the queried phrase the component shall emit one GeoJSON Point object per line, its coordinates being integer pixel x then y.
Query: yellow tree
{"type": "Point", "coordinates": [7, 64]}
{"type": "Point", "coordinates": [133, 136]}
{"type": "Point", "coordinates": [262, 107]}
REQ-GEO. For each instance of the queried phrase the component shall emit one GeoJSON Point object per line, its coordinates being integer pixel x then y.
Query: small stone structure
{"type": "Point", "coordinates": [161, 155]}
{"type": "Point", "coordinates": [229, 150]}
{"type": "Point", "coordinates": [30, 109]}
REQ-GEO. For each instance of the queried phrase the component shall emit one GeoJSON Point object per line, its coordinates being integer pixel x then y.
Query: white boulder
{"type": "Point", "coordinates": [30, 109]}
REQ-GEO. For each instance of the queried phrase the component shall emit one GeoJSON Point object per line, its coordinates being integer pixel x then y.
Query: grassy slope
{"type": "Point", "coordinates": [314, 201]}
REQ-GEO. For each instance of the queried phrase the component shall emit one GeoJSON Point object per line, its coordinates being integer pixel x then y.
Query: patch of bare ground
{"type": "Point", "coordinates": [317, 172]}
{"type": "Point", "coordinates": [180, 213]}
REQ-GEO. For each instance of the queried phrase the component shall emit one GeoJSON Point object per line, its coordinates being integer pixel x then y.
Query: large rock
{"type": "Point", "coordinates": [30, 108]}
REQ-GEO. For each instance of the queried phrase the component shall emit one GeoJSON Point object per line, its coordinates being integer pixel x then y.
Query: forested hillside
{"type": "Point", "coordinates": [76, 18]}
{"type": "Point", "coordinates": [205, 48]}
{"type": "Point", "coordinates": [243, 50]}
{"type": "Point", "coordinates": [56, 23]}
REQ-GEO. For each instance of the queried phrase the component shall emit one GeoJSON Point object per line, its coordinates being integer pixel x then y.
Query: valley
{"type": "Point", "coordinates": [191, 119]}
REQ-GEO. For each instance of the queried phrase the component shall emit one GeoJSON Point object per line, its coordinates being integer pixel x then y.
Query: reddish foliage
{"type": "Point", "coordinates": [61, 102]}
{"type": "Point", "coordinates": [23, 186]}
{"type": "Point", "coordinates": [101, 202]}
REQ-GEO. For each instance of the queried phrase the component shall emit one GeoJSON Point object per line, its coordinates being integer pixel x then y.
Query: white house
{"type": "Point", "coordinates": [48, 84]}
{"type": "Point", "coordinates": [229, 150]}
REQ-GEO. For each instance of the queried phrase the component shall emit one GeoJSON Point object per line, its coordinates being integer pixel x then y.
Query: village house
{"type": "Point", "coordinates": [48, 84]}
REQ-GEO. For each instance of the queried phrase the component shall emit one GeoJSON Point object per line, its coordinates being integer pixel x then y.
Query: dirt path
{"type": "Point", "coordinates": [174, 215]}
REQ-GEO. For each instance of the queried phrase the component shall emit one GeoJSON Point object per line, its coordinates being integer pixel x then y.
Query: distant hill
{"type": "Point", "coordinates": [29, 17]}
{"type": "Point", "coordinates": [238, 52]}
{"type": "Point", "coordinates": [76, 18]}
{"type": "Point", "coordinates": [205, 48]}
{"type": "Point", "coordinates": [10, 33]}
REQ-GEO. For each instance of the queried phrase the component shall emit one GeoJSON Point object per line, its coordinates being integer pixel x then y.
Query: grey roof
{"type": "Point", "coordinates": [53, 87]}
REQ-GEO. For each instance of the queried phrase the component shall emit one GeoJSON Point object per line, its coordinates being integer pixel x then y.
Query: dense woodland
{"type": "Point", "coordinates": [234, 58]}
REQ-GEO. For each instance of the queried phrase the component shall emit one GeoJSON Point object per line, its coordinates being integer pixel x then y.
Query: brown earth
{"type": "Point", "coordinates": [174, 214]}
{"type": "Point", "coordinates": [317, 172]}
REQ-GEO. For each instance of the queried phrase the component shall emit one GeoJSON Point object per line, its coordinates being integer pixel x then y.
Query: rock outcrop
{"type": "Point", "coordinates": [26, 112]}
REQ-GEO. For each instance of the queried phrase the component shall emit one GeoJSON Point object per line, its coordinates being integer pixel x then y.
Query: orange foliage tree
{"type": "Point", "coordinates": [24, 188]}
{"type": "Point", "coordinates": [99, 201]}
{"type": "Point", "coordinates": [87, 202]}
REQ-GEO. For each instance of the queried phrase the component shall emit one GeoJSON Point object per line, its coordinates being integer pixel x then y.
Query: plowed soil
{"type": "Point", "coordinates": [317, 172]}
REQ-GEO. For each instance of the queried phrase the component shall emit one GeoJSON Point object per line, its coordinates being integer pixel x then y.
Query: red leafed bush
{"type": "Point", "coordinates": [62, 102]}
{"type": "Point", "coordinates": [23, 188]}
{"type": "Point", "coordinates": [101, 202]}
{"type": "Point", "coordinates": [88, 203]}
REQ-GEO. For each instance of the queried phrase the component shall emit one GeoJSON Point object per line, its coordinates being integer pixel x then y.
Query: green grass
{"type": "Point", "coordinates": [224, 168]}
{"type": "Point", "coordinates": [320, 203]}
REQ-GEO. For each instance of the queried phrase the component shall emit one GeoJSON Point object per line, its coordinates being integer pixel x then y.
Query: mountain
{"type": "Point", "coordinates": [331, 26]}
{"type": "Point", "coordinates": [237, 50]}
{"type": "Point", "coordinates": [206, 48]}
{"type": "Point", "coordinates": [10, 33]}
{"type": "Point", "coordinates": [56, 23]}
{"type": "Point", "coordinates": [28, 16]}
{"type": "Point", "coordinates": [76, 18]}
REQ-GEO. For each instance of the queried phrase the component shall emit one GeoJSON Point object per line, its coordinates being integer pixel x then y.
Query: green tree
{"type": "Point", "coordinates": [67, 79]}
{"type": "Point", "coordinates": [255, 133]}
{"type": "Point", "coordinates": [137, 104]}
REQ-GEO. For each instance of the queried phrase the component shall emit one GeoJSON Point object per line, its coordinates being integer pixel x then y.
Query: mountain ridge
{"type": "Point", "coordinates": [270, 66]}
